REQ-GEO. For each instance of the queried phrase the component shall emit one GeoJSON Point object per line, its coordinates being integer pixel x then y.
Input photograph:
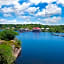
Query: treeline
{"type": "Point", "coordinates": [52, 28]}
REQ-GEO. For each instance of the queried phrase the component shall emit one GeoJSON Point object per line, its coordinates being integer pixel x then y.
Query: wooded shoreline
{"type": "Point", "coordinates": [16, 27]}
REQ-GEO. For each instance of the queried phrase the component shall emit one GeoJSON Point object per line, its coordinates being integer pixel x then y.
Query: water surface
{"type": "Point", "coordinates": [41, 48]}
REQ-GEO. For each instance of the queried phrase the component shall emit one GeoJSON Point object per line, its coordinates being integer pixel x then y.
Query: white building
{"type": "Point", "coordinates": [42, 28]}
{"type": "Point", "coordinates": [47, 28]}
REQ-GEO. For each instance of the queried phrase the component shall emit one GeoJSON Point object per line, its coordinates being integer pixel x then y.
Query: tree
{"type": "Point", "coordinates": [8, 34]}
{"type": "Point", "coordinates": [6, 56]}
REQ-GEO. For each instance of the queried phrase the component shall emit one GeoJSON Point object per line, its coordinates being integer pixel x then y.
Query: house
{"type": "Point", "coordinates": [36, 29]}
{"type": "Point", "coordinates": [22, 30]}
{"type": "Point", "coordinates": [26, 30]}
{"type": "Point", "coordinates": [42, 28]}
{"type": "Point", "coordinates": [7, 28]}
{"type": "Point", "coordinates": [13, 27]}
{"type": "Point", "coordinates": [47, 28]}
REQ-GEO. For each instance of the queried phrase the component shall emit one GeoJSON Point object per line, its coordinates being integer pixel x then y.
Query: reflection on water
{"type": "Point", "coordinates": [41, 48]}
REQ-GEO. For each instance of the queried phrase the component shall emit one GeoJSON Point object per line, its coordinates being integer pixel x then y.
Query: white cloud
{"type": "Point", "coordinates": [51, 9]}
{"type": "Point", "coordinates": [49, 20]}
{"type": "Point", "coordinates": [2, 20]}
{"type": "Point", "coordinates": [7, 15]}
{"type": "Point", "coordinates": [7, 10]}
{"type": "Point", "coordinates": [31, 22]}
{"type": "Point", "coordinates": [41, 13]}
{"type": "Point", "coordinates": [52, 20]}
{"type": "Point", "coordinates": [40, 21]}
{"type": "Point", "coordinates": [27, 18]}
{"type": "Point", "coordinates": [22, 7]}
{"type": "Point", "coordinates": [32, 10]}
{"type": "Point", "coordinates": [35, 1]}
{"type": "Point", "coordinates": [16, 9]}
{"type": "Point", "coordinates": [8, 2]}
{"type": "Point", "coordinates": [12, 21]}
{"type": "Point", "coordinates": [60, 2]}
{"type": "Point", "coordinates": [46, 1]}
{"type": "Point", "coordinates": [5, 21]}
{"type": "Point", "coordinates": [41, 1]}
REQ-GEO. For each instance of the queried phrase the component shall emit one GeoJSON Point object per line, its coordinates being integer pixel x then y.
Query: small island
{"type": "Point", "coordinates": [10, 46]}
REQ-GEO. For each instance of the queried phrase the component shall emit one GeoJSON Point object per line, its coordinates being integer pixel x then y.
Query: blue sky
{"type": "Point", "coordinates": [44, 12]}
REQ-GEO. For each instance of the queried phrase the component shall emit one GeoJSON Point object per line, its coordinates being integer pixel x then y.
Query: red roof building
{"type": "Point", "coordinates": [36, 29]}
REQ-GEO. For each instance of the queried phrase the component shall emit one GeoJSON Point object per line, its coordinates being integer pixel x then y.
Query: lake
{"type": "Point", "coordinates": [41, 48]}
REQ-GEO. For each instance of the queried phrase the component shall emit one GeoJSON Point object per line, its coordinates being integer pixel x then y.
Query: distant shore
{"type": "Point", "coordinates": [16, 27]}
{"type": "Point", "coordinates": [57, 34]}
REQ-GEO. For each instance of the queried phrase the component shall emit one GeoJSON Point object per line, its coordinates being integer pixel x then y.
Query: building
{"type": "Point", "coordinates": [42, 28]}
{"type": "Point", "coordinates": [22, 30]}
{"type": "Point", "coordinates": [47, 28]}
{"type": "Point", "coordinates": [7, 28]}
{"type": "Point", "coordinates": [26, 30]}
{"type": "Point", "coordinates": [13, 27]}
{"type": "Point", "coordinates": [36, 29]}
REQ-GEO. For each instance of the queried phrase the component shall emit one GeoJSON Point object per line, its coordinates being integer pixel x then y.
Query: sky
{"type": "Point", "coordinates": [46, 12]}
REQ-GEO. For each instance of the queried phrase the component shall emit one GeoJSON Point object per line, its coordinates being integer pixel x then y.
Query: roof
{"type": "Point", "coordinates": [36, 28]}
{"type": "Point", "coordinates": [26, 29]}
{"type": "Point", "coordinates": [42, 28]}
{"type": "Point", "coordinates": [47, 28]}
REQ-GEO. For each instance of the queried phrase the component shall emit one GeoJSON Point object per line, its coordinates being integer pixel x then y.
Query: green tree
{"type": "Point", "coordinates": [6, 56]}
{"type": "Point", "coordinates": [8, 34]}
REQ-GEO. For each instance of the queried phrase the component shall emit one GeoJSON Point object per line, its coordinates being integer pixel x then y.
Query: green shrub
{"type": "Point", "coordinates": [17, 43]}
{"type": "Point", "coordinates": [8, 34]}
{"type": "Point", "coordinates": [6, 56]}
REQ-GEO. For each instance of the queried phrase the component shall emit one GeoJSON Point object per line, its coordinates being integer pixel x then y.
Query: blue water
{"type": "Point", "coordinates": [41, 48]}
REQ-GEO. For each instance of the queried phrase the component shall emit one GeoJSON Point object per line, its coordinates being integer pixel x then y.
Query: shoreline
{"type": "Point", "coordinates": [16, 54]}
{"type": "Point", "coordinates": [58, 35]}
